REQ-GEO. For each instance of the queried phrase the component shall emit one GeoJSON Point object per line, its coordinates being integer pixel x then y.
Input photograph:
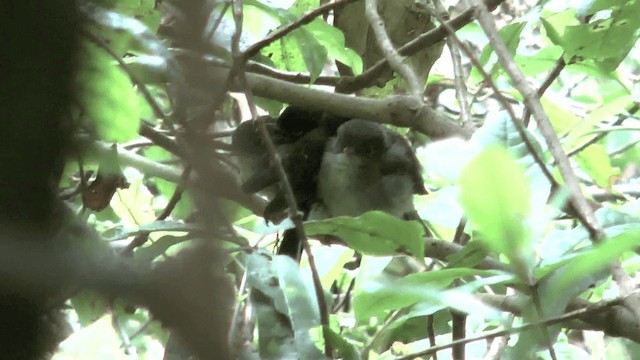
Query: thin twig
{"type": "Point", "coordinates": [579, 201]}
{"type": "Point", "coordinates": [142, 238]}
{"type": "Point", "coordinates": [124, 337]}
{"type": "Point", "coordinates": [533, 103]}
{"type": "Point", "coordinates": [551, 77]}
{"type": "Point", "coordinates": [134, 79]}
{"type": "Point", "coordinates": [163, 141]}
{"type": "Point", "coordinates": [367, 78]}
{"type": "Point", "coordinates": [503, 101]}
{"type": "Point", "coordinates": [292, 77]}
{"type": "Point", "coordinates": [462, 93]}
{"type": "Point", "coordinates": [296, 216]}
{"type": "Point", "coordinates": [491, 334]}
{"type": "Point", "coordinates": [535, 297]}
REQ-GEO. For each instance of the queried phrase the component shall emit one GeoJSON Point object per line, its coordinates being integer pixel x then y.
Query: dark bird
{"type": "Point", "coordinates": [335, 167]}
{"type": "Point", "coordinates": [299, 136]}
{"type": "Point", "coordinates": [369, 167]}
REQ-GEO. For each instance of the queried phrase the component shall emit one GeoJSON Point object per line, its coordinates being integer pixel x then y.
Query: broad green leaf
{"type": "Point", "coordinates": [373, 233]}
{"type": "Point", "coordinates": [540, 62]}
{"type": "Point", "coordinates": [561, 119]}
{"type": "Point", "coordinates": [496, 197]}
{"type": "Point", "coordinates": [302, 306]}
{"type": "Point", "coordinates": [332, 39]}
{"type": "Point", "coordinates": [606, 38]}
{"type": "Point", "coordinates": [470, 255]}
{"type": "Point", "coordinates": [313, 53]}
{"type": "Point", "coordinates": [285, 54]}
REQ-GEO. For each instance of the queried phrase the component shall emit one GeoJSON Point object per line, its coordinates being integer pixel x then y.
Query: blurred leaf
{"type": "Point", "coordinates": [510, 35]}
{"type": "Point", "coordinates": [132, 34]}
{"type": "Point", "coordinates": [97, 341]}
{"type": "Point", "coordinates": [606, 38]}
{"type": "Point", "coordinates": [107, 97]}
{"type": "Point", "coordinates": [596, 162]}
{"type": "Point", "coordinates": [376, 297]}
{"type": "Point", "coordinates": [89, 306]}
{"type": "Point", "coordinates": [346, 350]}
{"type": "Point", "coordinates": [540, 62]}
{"type": "Point", "coordinates": [495, 196]}
{"type": "Point", "coordinates": [591, 262]}
{"type": "Point", "coordinates": [149, 69]}
{"type": "Point", "coordinates": [470, 255]}
{"type": "Point", "coordinates": [373, 233]}
{"type": "Point", "coordinates": [134, 204]}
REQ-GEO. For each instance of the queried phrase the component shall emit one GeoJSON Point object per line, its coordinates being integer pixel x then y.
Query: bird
{"type": "Point", "coordinates": [300, 136]}
{"type": "Point", "coordinates": [367, 167]}
{"type": "Point", "coordinates": [335, 167]}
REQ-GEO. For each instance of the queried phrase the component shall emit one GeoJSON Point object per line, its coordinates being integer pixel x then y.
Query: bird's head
{"type": "Point", "coordinates": [362, 138]}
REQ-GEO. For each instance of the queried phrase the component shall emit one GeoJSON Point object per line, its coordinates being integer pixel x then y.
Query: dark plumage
{"type": "Point", "coordinates": [369, 167]}
{"type": "Point", "coordinates": [335, 166]}
{"type": "Point", "coordinates": [299, 136]}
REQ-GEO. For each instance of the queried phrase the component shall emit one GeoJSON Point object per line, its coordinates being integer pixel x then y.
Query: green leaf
{"type": "Point", "coordinates": [314, 54]}
{"type": "Point", "coordinates": [590, 263]}
{"type": "Point", "coordinates": [346, 350]}
{"type": "Point", "coordinates": [332, 39]}
{"type": "Point", "coordinates": [375, 297]}
{"type": "Point", "coordinates": [496, 197]}
{"type": "Point", "coordinates": [596, 162]}
{"type": "Point", "coordinates": [607, 38]}
{"type": "Point", "coordinates": [540, 62]}
{"type": "Point", "coordinates": [89, 306]}
{"type": "Point", "coordinates": [510, 35]}
{"type": "Point", "coordinates": [373, 233]}
{"type": "Point", "coordinates": [277, 278]}
{"type": "Point", "coordinates": [107, 97]}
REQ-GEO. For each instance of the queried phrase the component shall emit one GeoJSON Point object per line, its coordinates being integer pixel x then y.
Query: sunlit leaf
{"type": "Point", "coordinates": [495, 196]}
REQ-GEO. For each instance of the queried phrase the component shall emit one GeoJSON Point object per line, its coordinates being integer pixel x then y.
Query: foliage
{"type": "Point", "coordinates": [404, 287]}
